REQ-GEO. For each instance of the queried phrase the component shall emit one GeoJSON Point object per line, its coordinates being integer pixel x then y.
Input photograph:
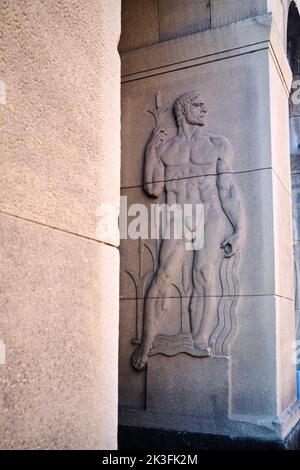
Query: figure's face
{"type": "Point", "coordinates": [195, 112]}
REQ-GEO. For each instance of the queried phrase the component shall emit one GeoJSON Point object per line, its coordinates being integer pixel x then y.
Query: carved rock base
{"type": "Point", "coordinates": [171, 345]}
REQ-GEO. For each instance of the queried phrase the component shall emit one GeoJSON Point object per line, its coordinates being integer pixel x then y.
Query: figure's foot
{"type": "Point", "coordinates": [203, 348]}
{"type": "Point", "coordinates": [139, 357]}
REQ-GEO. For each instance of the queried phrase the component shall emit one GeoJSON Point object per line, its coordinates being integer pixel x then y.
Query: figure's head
{"type": "Point", "coordinates": [189, 107]}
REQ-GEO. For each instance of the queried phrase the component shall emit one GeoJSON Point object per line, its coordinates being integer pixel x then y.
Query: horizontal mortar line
{"type": "Point", "coordinates": [282, 183]}
{"type": "Point", "coordinates": [193, 58]}
{"type": "Point", "coordinates": [211, 296]}
{"type": "Point", "coordinates": [285, 298]}
{"type": "Point", "coordinates": [198, 176]}
{"type": "Point", "coordinates": [162, 72]}
{"type": "Point", "coordinates": [68, 232]}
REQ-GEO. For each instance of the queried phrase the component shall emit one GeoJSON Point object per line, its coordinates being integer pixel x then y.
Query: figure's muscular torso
{"type": "Point", "coordinates": [191, 167]}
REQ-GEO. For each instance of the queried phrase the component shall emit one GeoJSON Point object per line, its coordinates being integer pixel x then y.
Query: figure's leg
{"type": "Point", "coordinates": [196, 303]}
{"type": "Point", "coordinates": [157, 302]}
{"type": "Point", "coordinates": [203, 314]}
{"type": "Point", "coordinates": [203, 307]}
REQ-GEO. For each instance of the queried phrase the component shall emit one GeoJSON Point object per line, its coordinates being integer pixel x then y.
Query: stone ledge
{"type": "Point", "coordinates": [242, 37]}
{"type": "Point", "coordinates": [130, 437]}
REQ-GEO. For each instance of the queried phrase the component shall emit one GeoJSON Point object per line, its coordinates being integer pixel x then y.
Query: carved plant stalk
{"type": "Point", "coordinates": [141, 282]}
{"type": "Point", "coordinates": [159, 110]}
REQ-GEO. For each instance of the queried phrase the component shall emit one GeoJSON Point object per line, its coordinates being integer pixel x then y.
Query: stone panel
{"type": "Point", "coordinates": [253, 365]}
{"type": "Point", "coordinates": [261, 387]}
{"type": "Point", "coordinates": [189, 16]}
{"type": "Point", "coordinates": [283, 236]}
{"type": "Point", "coordinates": [286, 353]}
{"type": "Point", "coordinates": [139, 24]}
{"type": "Point", "coordinates": [199, 390]}
{"type": "Point", "coordinates": [61, 149]}
{"type": "Point", "coordinates": [59, 322]}
{"type": "Point", "coordinates": [279, 125]}
{"type": "Point", "coordinates": [229, 11]}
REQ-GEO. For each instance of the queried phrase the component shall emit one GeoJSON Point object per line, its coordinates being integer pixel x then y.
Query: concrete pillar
{"type": "Point", "coordinates": [234, 53]}
{"type": "Point", "coordinates": [60, 160]}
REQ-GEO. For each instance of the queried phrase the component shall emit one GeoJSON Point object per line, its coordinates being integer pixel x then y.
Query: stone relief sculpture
{"type": "Point", "coordinates": [191, 167]}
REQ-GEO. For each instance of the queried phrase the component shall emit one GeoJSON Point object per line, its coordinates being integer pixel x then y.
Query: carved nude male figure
{"type": "Point", "coordinates": [192, 167]}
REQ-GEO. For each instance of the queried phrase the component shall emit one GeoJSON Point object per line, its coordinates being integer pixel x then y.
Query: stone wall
{"type": "Point", "coordinates": [235, 56]}
{"type": "Point", "coordinates": [59, 279]}
{"type": "Point", "coordinates": [146, 22]}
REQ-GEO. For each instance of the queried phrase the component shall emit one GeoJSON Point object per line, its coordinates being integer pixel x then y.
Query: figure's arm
{"type": "Point", "coordinates": [230, 201]}
{"type": "Point", "coordinates": [154, 168]}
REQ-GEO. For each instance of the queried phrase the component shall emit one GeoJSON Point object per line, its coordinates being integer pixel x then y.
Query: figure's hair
{"type": "Point", "coordinates": [180, 104]}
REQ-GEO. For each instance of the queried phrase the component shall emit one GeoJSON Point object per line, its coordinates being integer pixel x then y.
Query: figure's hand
{"type": "Point", "coordinates": [231, 245]}
{"type": "Point", "coordinates": [158, 136]}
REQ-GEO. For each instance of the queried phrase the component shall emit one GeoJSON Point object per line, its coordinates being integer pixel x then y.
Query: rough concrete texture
{"type": "Point", "coordinates": [61, 123]}
{"type": "Point", "coordinates": [60, 159]}
{"type": "Point", "coordinates": [58, 387]}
